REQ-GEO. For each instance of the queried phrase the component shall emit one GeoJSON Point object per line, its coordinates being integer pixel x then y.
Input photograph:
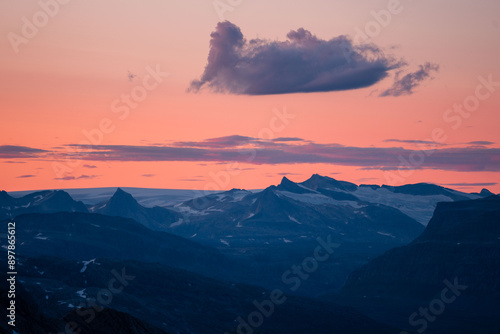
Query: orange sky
{"type": "Point", "coordinates": [64, 79]}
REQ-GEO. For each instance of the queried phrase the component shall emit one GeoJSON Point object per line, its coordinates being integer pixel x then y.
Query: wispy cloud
{"type": "Point", "coordinates": [71, 177]}
{"type": "Point", "coordinates": [406, 84]}
{"type": "Point", "coordinates": [65, 178]}
{"type": "Point", "coordinates": [191, 180]}
{"type": "Point", "coordinates": [412, 141]}
{"type": "Point", "coordinates": [148, 175]}
{"type": "Point", "coordinates": [302, 63]}
{"type": "Point", "coordinates": [89, 166]}
{"type": "Point", "coordinates": [391, 168]}
{"type": "Point", "coordinates": [227, 141]}
{"type": "Point", "coordinates": [25, 176]}
{"type": "Point", "coordinates": [287, 139]}
{"type": "Point", "coordinates": [87, 177]}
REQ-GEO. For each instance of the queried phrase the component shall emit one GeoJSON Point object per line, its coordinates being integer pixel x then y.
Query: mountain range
{"type": "Point", "coordinates": [207, 264]}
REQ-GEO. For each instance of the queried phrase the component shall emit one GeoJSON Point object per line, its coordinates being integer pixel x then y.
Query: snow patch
{"type": "Point", "coordinates": [238, 196]}
{"type": "Point", "coordinates": [177, 223]}
{"type": "Point", "coordinates": [188, 210]}
{"type": "Point", "coordinates": [418, 207]}
{"type": "Point", "coordinates": [81, 294]}
{"type": "Point", "coordinates": [386, 234]}
{"type": "Point", "coordinates": [317, 199]}
{"type": "Point", "coordinates": [85, 264]}
{"type": "Point", "coordinates": [37, 198]}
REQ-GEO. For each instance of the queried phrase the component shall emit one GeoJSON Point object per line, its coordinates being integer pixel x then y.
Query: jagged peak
{"type": "Point", "coordinates": [288, 185]}
{"type": "Point", "coordinates": [234, 190]}
{"type": "Point", "coordinates": [120, 194]}
{"type": "Point", "coordinates": [286, 180]}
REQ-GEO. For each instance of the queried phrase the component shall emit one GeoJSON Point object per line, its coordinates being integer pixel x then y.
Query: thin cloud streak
{"type": "Point", "coordinates": [481, 143]}
{"type": "Point", "coordinates": [260, 153]}
{"type": "Point", "coordinates": [412, 141]}
{"type": "Point", "coordinates": [21, 152]}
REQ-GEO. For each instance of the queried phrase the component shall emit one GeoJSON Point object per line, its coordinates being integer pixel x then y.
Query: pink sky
{"type": "Point", "coordinates": [64, 79]}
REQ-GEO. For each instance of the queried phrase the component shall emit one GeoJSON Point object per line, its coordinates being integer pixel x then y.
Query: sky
{"type": "Point", "coordinates": [215, 95]}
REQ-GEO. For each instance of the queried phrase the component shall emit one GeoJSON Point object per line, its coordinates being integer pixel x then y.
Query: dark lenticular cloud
{"type": "Point", "coordinates": [411, 141]}
{"type": "Point", "coordinates": [71, 177]}
{"type": "Point", "coordinates": [280, 139]}
{"type": "Point", "coordinates": [303, 63]}
{"type": "Point", "coordinates": [406, 84]}
{"type": "Point", "coordinates": [481, 142]}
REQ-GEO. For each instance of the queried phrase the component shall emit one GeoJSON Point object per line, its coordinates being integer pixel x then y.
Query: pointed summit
{"type": "Point", "coordinates": [287, 185]}
{"type": "Point", "coordinates": [285, 181]}
{"type": "Point", "coordinates": [122, 199]}
{"type": "Point", "coordinates": [120, 192]}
